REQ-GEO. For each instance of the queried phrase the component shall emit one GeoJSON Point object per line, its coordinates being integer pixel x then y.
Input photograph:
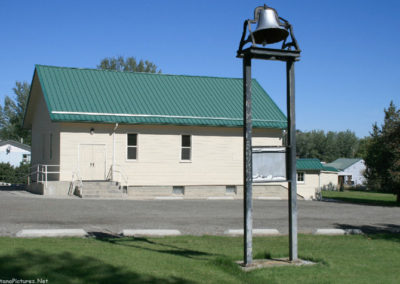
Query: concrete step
{"type": "Point", "coordinates": [84, 195]}
{"type": "Point", "coordinates": [101, 189]}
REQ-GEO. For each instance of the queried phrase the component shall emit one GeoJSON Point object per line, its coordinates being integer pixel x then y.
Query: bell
{"type": "Point", "coordinates": [269, 30]}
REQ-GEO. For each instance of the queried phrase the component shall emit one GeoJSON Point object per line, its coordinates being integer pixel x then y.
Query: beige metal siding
{"type": "Point", "coordinates": [216, 152]}
{"type": "Point", "coordinates": [329, 178]}
{"type": "Point", "coordinates": [42, 127]}
{"type": "Point", "coordinates": [308, 188]}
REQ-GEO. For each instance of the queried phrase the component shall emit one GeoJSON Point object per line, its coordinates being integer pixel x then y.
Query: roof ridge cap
{"type": "Point", "coordinates": [144, 73]}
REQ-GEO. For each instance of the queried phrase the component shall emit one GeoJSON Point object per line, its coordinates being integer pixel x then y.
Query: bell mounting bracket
{"type": "Point", "coordinates": [247, 26]}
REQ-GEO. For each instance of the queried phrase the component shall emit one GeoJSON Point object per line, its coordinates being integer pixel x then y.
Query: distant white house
{"type": "Point", "coordinates": [351, 171]}
{"type": "Point", "coordinates": [14, 153]}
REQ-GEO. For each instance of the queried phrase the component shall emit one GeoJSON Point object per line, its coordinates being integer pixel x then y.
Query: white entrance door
{"type": "Point", "coordinates": [92, 161]}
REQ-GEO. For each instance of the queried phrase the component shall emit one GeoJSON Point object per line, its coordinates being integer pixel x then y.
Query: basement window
{"type": "Point", "coordinates": [178, 190]}
{"type": "Point", "coordinates": [230, 189]}
{"type": "Point", "coordinates": [186, 150]}
{"type": "Point", "coordinates": [131, 146]}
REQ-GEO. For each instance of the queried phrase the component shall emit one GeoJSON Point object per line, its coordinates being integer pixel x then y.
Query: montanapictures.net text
{"type": "Point", "coordinates": [24, 281]}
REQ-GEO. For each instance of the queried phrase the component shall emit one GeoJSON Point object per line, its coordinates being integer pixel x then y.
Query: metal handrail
{"type": "Point", "coordinates": [42, 171]}
{"type": "Point", "coordinates": [122, 175]}
{"type": "Point", "coordinates": [75, 178]}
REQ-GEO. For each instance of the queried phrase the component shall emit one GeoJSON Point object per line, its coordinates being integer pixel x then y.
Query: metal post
{"type": "Point", "coordinates": [45, 176]}
{"type": "Point", "coordinates": [291, 161]}
{"type": "Point", "coordinates": [247, 163]}
{"type": "Point", "coordinates": [37, 174]}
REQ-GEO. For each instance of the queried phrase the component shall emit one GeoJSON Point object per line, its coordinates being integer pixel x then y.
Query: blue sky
{"type": "Point", "coordinates": [348, 73]}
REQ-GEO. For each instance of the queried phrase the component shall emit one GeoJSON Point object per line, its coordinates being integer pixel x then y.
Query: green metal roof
{"type": "Point", "coordinates": [330, 169]}
{"type": "Point", "coordinates": [343, 163]}
{"type": "Point", "coordinates": [92, 95]}
{"type": "Point", "coordinates": [309, 164]}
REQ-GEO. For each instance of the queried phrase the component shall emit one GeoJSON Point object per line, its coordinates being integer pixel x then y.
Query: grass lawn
{"type": "Point", "coordinates": [206, 259]}
{"type": "Point", "coordinates": [362, 197]}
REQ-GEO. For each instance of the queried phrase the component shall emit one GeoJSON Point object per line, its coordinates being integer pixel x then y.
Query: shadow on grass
{"type": "Point", "coordinates": [68, 268]}
{"type": "Point", "coordinates": [363, 201]}
{"type": "Point", "coordinates": [381, 231]}
{"type": "Point", "coordinates": [151, 245]}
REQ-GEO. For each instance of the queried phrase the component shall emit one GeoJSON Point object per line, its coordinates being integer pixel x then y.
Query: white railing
{"type": "Point", "coordinates": [39, 173]}
{"type": "Point", "coordinates": [117, 169]}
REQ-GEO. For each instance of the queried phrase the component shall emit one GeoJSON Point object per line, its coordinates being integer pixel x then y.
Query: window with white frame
{"type": "Point", "coordinates": [131, 152]}
{"type": "Point", "coordinates": [186, 150]}
{"type": "Point", "coordinates": [300, 176]}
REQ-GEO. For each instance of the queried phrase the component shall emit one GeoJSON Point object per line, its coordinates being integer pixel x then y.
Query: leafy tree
{"type": "Point", "coordinates": [362, 147]}
{"type": "Point", "coordinates": [129, 64]}
{"type": "Point", "coordinates": [22, 172]}
{"type": "Point", "coordinates": [326, 147]}
{"type": "Point", "coordinates": [383, 154]}
{"type": "Point", "coordinates": [7, 173]}
{"type": "Point", "coordinates": [12, 114]}
{"type": "Point", "coordinates": [18, 175]}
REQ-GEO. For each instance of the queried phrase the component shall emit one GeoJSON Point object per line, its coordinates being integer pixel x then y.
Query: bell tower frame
{"type": "Point", "coordinates": [285, 54]}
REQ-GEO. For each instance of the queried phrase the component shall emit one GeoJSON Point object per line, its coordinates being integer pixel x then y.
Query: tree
{"type": "Point", "coordinates": [129, 64]}
{"type": "Point", "coordinates": [12, 114]}
{"type": "Point", "coordinates": [362, 147]}
{"type": "Point", "coordinates": [383, 154]}
{"type": "Point", "coordinates": [17, 175]}
{"type": "Point", "coordinates": [326, 147]}
{"type": "Point", "coordinates": [7, 173]}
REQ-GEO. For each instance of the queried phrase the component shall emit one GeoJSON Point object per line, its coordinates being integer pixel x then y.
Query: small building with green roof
{"type": "Point", "coordinates": [350, 171]}
{"type": "Point", "coordinates": [313, 176]}
{"type": "Point", "coordinates": [150, 134]}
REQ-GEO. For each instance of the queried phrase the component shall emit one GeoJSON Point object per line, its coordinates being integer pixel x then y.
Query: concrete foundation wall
{"type": "Point", "coordinates": [54, 188]}
{"type": "Point", "coordinates": [57, 188]}
{"type": "Point", "coordinates": [205, 191]}
{"type": "Point", "coordinates": [36, 188]}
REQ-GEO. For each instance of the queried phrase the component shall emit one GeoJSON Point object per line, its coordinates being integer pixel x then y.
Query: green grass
{"type": "Point", "coordinates": [362, 197]}
{"type": "Point", "coordinates": [207, 259]}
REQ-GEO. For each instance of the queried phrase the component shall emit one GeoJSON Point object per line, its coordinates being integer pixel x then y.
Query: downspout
{"type": "Point", "coordinates": [319, 184]}
{"type": "Point", "coordinates": [113, 164]}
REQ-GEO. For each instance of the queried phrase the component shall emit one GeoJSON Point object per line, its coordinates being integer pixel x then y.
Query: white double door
{"type": "Point", "coordinates": [92, 161]}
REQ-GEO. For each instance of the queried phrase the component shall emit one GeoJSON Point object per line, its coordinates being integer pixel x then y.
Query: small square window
{"type": "Point", "coordinates": [230, 189]}
{"type": "Point", "coordinates": [300, 176]}
{"type": "Point", "coordinates": [178, 190]}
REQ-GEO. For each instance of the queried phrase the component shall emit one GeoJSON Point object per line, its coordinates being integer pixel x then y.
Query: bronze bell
{"type": "Point", "coordinates": [269, 29]}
